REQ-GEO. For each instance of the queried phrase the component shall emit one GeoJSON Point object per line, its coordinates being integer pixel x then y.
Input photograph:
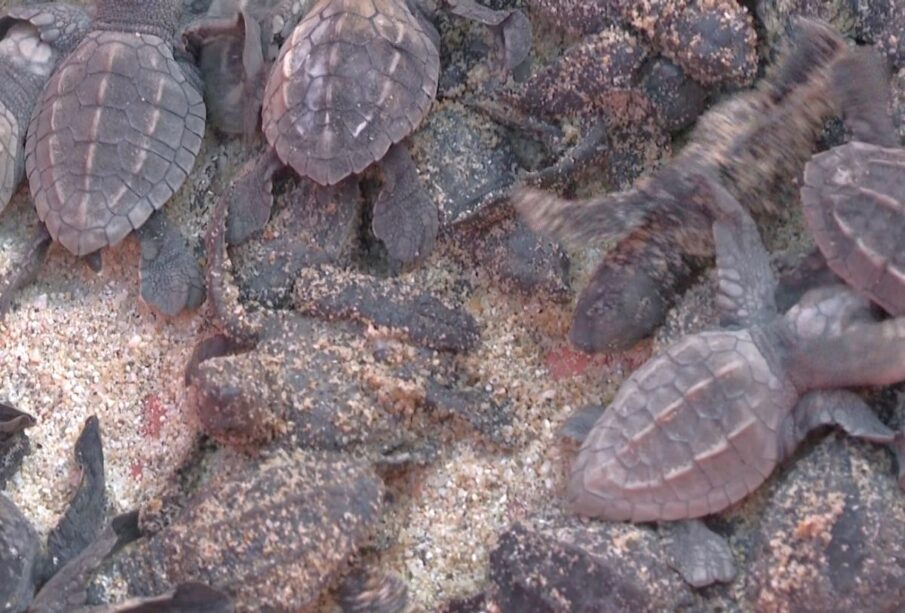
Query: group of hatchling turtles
{"type": "Point", "coordinates": [105, 113]}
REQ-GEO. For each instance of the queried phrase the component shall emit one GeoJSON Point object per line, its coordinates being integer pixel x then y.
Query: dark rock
{"type": "Point", "coordinates": [833, 535]}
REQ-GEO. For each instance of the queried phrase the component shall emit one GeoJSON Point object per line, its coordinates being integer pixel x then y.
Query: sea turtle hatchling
{"type": "Point", "coordinates": [32, 41]}
{"type": "Point", "coordinates": [757, 142]}
{"type": "Point", "coordinates": [115, 135]}
{"type": "Point", "coordinates": [703, 424]}
{"type": "Point", "coordinates": [353, 80]}
{"type": "Point", "coordinates": [854, 201]}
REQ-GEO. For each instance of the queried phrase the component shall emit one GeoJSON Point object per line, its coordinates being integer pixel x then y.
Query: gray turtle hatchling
{"type": "Point", "coordinates": [116, 133]}
{"type": "Point", "coordinates": [703, 424]}
{"type": "Point", "coordinates": [32, 41]}
{"type": "Point", "coordinates": [854, 200]}
{"type": "Point", "coordinates": [353, 79]}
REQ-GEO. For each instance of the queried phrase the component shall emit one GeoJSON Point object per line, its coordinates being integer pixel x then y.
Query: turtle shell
{"type": "Point", "coordinates": [691, 432]}
{"type": "Point", "coordinates": [854, 203]}
{"type": "Point", "coordinates": [355, 77]}
{"type": "Point", "coordinates": [117, 132]}
{"type": "Point", "coordinates": [32, 39]}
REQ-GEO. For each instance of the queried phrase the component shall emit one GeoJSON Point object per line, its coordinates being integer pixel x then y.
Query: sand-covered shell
{"type": "Point", "coordinates": [118, 128]}
{"type": "Point", "coordinates": [32, 41]}
{"type": "Point", "coordinates": [688, 434]}
{"type": "Point", "coordinates": [355, 77]}
{"type": "Point", "coordinates": [854, 203]}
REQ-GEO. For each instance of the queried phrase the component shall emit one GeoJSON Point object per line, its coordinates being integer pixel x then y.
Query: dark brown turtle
{"type": "Point", "coordinates": [272, 534]}
{"type": "Point", "coordinates": [32, 41]}
{"type": "Point", "coordinates": [712, 41]}
{"type": "Point", "coordinates": [116, 133]}
{"type": "Point", "coordinates": [757, 142]}
{"type": "Point", "coordinates": [353, 80]}
{"type": "Point", "coordinates": [703, 424]}
{"type": "Point", "coordinates": [854, 200]}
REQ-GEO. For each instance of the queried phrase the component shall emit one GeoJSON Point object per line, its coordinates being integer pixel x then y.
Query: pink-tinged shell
{"type": "Point", "coordinates": [689, 433]}
{"type": "Point", "coordinates": [117, 133]}
{"type": "Point", "coordinates": [854, 202]}
{"type": "Point", "coordinates": [355, 77]}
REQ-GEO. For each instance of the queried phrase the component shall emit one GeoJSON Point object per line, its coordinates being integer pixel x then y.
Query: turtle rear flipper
{"type": "Point", "coordinates": [405, 217]}
{"type": "Point", "coordinates": [700, 555]}
{"type": "Point", "coordinates": [250, 198]}
{"type": "Point", "coordinates": [170, 276]}
{"type": "Point", "coordinates": [25, 271]}
{"type": "Point", "coordinates": [231, 59]}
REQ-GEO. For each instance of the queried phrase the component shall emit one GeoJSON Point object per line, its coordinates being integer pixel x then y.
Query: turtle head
{"type": "Point", "coordinates": [157, 17]}
{"type": "Point", "coordinates": [618, 308]}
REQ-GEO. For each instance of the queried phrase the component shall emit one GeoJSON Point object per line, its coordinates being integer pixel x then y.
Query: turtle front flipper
{"type": "Point", "coordinates": [19, 550]}
{"type": "Point", "coordinates": [511, 28]}
{"type": "Point", "coordinates": [699, 554]}
{"type": "Point", "coordinates": [860, 85]}
{"type": "Point", "coordinates": [170, 276]}
{"type": "Point", "coordinates": [25, 271]}
{"type": "Point", "coordinates": [230, 52]}
{"type": "Point", "coordinates": [747, 286]}
{"type": "Point", "coordinates": [67, 590]}
{"type": "Point", "coordinates": [405, 217]}
{"type": "Point", "coordinates": [84, 517]}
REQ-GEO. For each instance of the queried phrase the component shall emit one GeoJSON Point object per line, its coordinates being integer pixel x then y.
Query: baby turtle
{"type": "Point", "coordinates": [354, 79]}
{"type": "Point", "coordinates": [32, 41]}
{"type": "Point", "coordinates": [854, 200]}
{"type": "Point", "coordinates": [712, 41]}
{"type": "Point", "coordinates": [702, 425]}
{"type": "Point", "coordinates": [116, 133]}
{"type": "Point", "coordinates": [757, 142]}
